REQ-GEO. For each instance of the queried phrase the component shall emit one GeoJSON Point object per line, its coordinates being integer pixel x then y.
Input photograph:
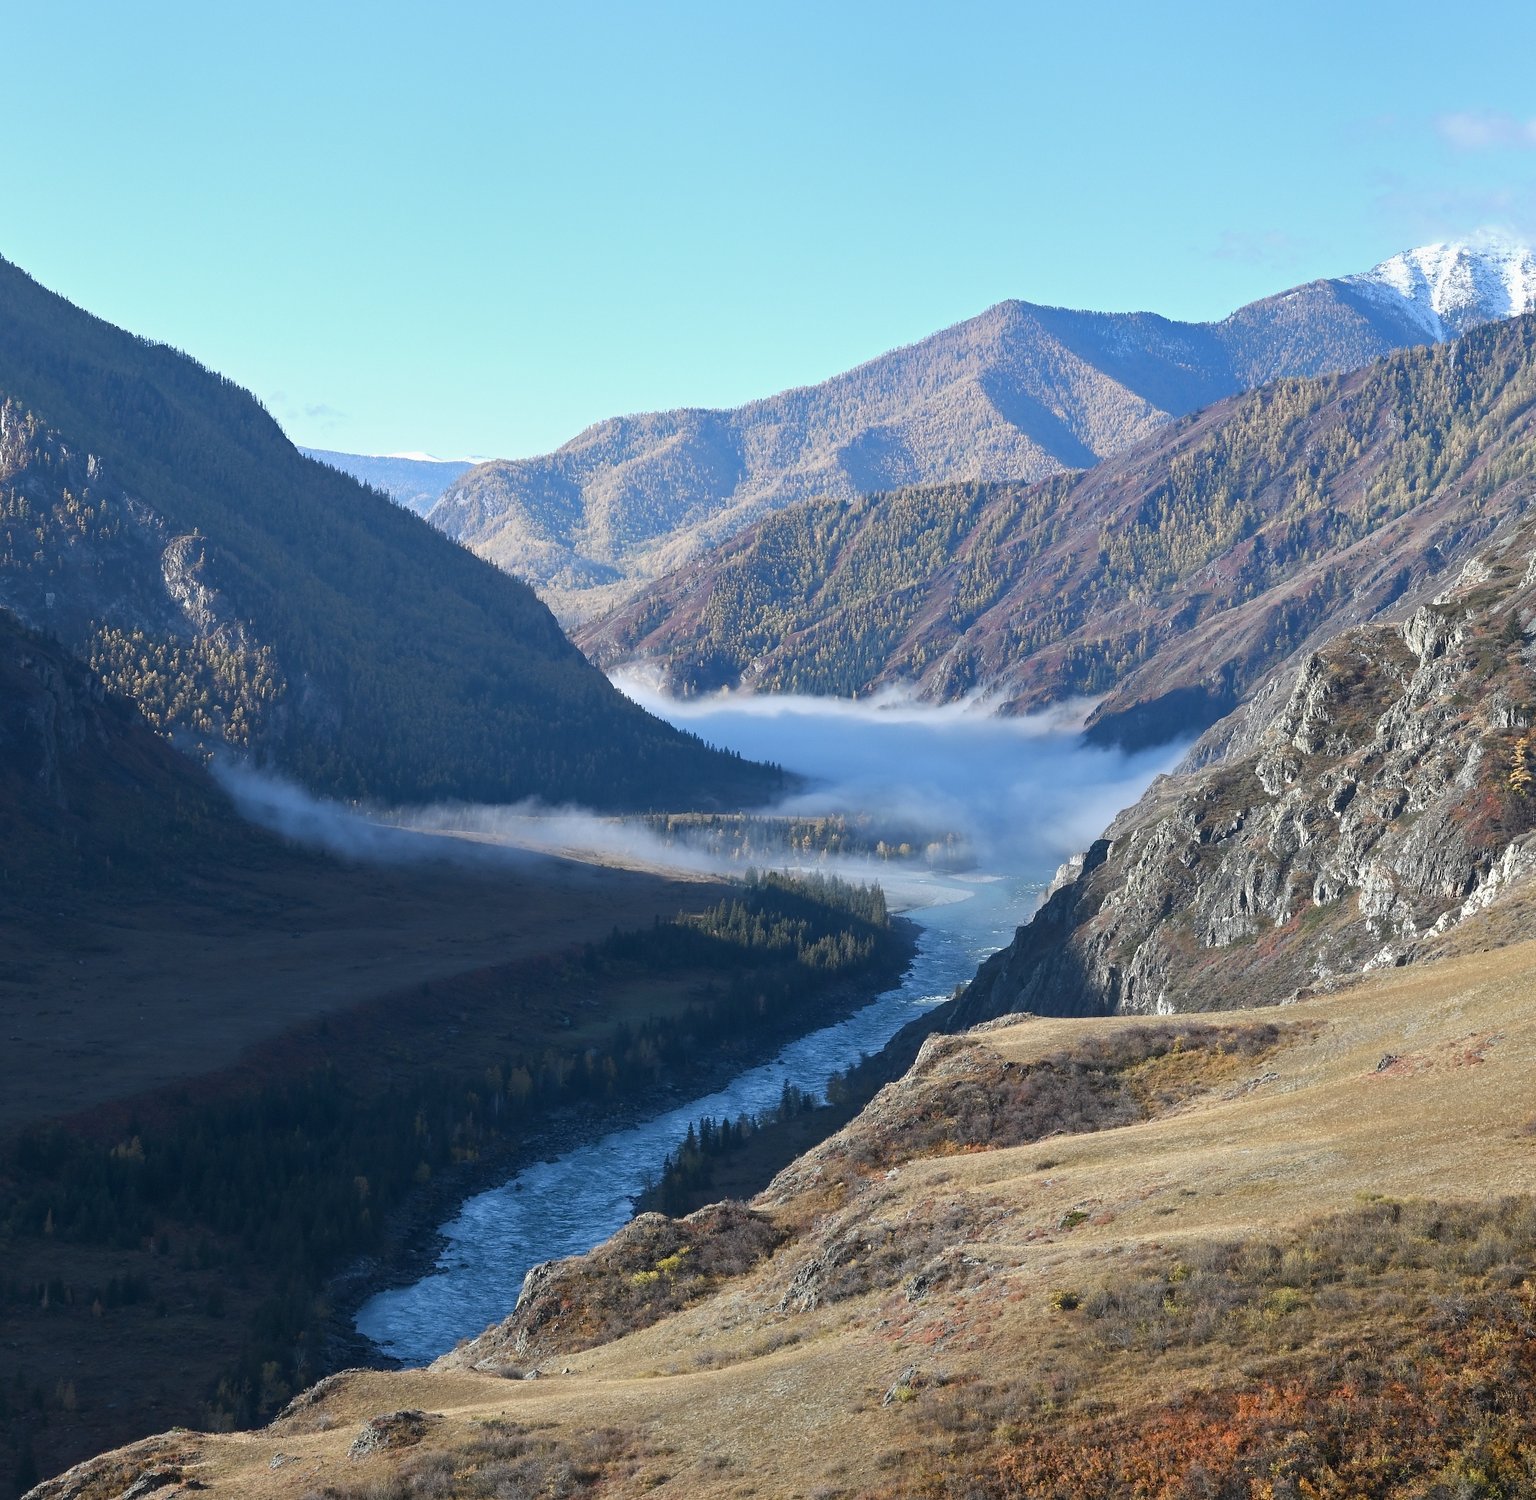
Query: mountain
{"type": "Point", "coordinates": [1019, 393]}
{"type": "Point", "coordinates": [414, 480]}
{"type": "Point", "coordinates": [155, 519]}
{"type": "Point", "coordinates": [1452, 288]}
{"type": "Point", "coordinates": [1166, 580]}
{"type": "Point", "coordinates": [92, 802]}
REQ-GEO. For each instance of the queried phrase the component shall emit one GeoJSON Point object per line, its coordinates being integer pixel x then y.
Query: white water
{"type": "Point", "coordinates": [1026, 796]}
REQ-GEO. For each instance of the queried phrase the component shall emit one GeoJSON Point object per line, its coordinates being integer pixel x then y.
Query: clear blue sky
{"type": "Point", "coordinates": [475, 227]}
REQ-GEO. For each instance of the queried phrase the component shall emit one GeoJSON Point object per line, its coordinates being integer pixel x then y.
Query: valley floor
{"type": "Point", "coordinates": [1256, 1236]}
{"type": "Point", "coordinates": [130, 995]}
{"type": "Point", "coordinates": [219, 1099]}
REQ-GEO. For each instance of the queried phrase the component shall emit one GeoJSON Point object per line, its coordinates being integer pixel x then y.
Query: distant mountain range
{"type": "Point", "coordinates": [1167, 580]}
{"type": "Point", "coordinates": [155, 521]}
{"type": "Point", "coordinates": [1019, 393]}
{"type": "Point", "coordinates": [414, 480]}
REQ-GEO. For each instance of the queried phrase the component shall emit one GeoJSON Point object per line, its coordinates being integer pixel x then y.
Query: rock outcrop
{"type": "Point", "coordinates": [1353, 816]}
{"type": "Point", "coordinates": [652, 1267]}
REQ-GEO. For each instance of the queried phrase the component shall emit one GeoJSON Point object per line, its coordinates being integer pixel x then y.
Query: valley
{"type": "Point", "coordinates": [1160, 1292]}
{"type": "Point", "coordinates": [303, 986]}
{"type": "Point", "coordinates": [567, 1205]}
{"type": "Point", "coordinates": [1027, 853]}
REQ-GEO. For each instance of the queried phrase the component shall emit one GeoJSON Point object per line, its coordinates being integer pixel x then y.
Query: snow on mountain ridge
{"type": "Point", "coordinates": [417, 457]}
{"type": "Point", "coordinates": [1449, 288]}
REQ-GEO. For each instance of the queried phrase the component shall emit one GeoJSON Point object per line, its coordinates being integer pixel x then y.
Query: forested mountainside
{"type": "Point", "coordinates": [91, 801]}
{"type": "Point", "coordinates": [1170, 578]}
{"type": "Point", "coordinates": [155, 519]}
{"type": "Point", "coordinates": [1019, 393]}
{"type": "Point", "coordinates": [1353, 815]}
{"type": "Point", "coordinates": [415, 483]}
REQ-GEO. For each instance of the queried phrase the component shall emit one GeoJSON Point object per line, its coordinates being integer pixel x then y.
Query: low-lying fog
{"type": "Point", "coordinates": [1020, 794]}
{"type": "Point", "coordinates": [1021, 791]}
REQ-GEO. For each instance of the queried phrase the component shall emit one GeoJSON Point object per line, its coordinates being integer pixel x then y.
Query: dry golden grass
{"type": "Point", "coordinates": [1412, 1084]}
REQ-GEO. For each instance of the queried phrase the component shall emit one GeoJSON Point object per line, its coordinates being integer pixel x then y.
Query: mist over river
{"type": "Point", "coordinates": [1024, 793]}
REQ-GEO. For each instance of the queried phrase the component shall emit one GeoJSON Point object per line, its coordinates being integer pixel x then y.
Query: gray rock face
{"type": "Point", "coordinates": [1358, 812]}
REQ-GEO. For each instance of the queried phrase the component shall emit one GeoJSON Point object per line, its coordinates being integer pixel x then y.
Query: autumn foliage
{"type": "Point", "coordinates": [1419, 1383]}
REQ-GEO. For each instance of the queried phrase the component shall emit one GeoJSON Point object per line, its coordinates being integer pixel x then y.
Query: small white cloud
{"type": "Point", "coordinates": [1487, 130]}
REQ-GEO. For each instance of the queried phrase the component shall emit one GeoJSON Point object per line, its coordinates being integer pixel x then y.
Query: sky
{"type": "Point", "coordinates": [475, 228]}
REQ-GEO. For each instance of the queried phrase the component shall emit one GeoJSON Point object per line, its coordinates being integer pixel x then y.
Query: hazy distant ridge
{"type": "Point", "coordinates": [415, 483]}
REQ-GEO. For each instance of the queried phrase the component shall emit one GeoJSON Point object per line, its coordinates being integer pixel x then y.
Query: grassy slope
{"type": "Point", "coordinates": [733, 1397]}
{"type": "Point", "coordinates": [411, 670]}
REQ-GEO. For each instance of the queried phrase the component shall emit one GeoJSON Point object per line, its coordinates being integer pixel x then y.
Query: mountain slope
{"type": "Point", "coordinates": [1171, 577]}
{"type": "Point", "coordinates": [1364, 811]}
{"type": "Point", "coordinates": [91, 801]}
{"type": "Point", "coordinates": [155, 518]}
{"type": "Point", "coordinates": [416, 483]}
{"type": "Point", "coordinates": [1018, 393]}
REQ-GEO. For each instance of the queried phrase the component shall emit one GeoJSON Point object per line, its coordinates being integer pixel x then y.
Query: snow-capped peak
{"type": "Point", "coordinates": [1449, 288]}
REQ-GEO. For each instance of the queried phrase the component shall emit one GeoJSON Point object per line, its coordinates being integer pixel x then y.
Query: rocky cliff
{"type": "Point", "coordinates": [1349, 817]}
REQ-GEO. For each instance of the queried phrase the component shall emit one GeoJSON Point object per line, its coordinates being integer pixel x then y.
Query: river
{"type": "Point", "coordinates": [566, 1206]}
{"type": "Point", "coordinates": [1025, 797]}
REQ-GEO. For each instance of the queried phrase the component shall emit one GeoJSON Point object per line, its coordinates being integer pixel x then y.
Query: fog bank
{"type": "Point", "coordinates": [1024, 791]}
{"type": "Point", "coordinates": [1022, 794]}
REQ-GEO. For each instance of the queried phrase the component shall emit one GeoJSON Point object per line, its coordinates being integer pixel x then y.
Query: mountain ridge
{"type": "Point", "coordinates": [1018, 392]}
{"type": "Point", "coordinates": [414, 480]}
{"type": "Point", "coordinates": [1177, 573]}
{"type": "Point", "coordinates": [155, 518]}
